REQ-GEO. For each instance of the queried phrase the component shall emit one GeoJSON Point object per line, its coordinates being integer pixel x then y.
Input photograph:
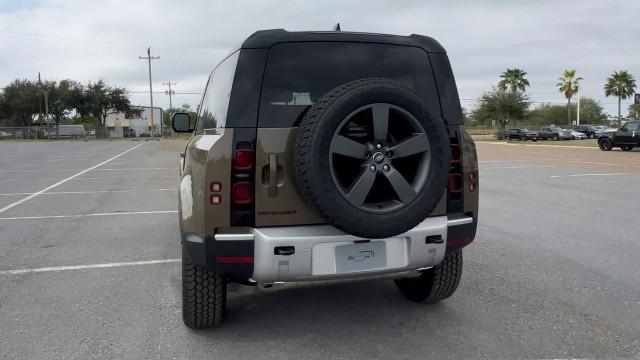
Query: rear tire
{"type": "Point", "coordinates": [435, 284]}
{"type": "Point", "coordinates": [204, 296]}
{"type": "Point", "coordinates": [605, 144]}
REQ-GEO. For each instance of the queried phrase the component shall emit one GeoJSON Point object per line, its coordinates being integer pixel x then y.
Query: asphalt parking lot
{"type": "Point", "coordinates": [90, 268]}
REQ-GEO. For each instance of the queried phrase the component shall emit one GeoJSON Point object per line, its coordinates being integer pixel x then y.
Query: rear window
{"type": "Point", "coordinates": [298, 74]}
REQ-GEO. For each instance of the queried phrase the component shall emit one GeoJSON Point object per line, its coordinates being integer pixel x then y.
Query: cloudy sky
{"type": "Point", "coordinates": [91, 39]}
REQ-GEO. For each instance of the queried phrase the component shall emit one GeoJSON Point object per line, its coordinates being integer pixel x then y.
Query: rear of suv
{"type": "Point", "coordinates": [326, 156]}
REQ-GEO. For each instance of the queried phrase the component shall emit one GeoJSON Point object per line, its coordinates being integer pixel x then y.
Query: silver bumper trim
{"type": "Point", "coordinates": [251, 236]}
{"type": "Point", "coordinates": [460, 221]}
{"type": "Point", "coordinates": [314, 257]}
{"type": "Point", "coordinates": [232, 237]}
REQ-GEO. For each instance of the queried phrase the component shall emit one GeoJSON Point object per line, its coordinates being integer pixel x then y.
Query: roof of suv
{"type": "Point", "coordinates": [268, 38]}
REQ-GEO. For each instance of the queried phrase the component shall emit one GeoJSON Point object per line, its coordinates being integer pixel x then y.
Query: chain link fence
{"type": "Point", "coordinates": [73, 132]}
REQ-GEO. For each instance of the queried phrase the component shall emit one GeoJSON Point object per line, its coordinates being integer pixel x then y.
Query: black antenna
{"type": "Point", "coordinates": [337, 27]}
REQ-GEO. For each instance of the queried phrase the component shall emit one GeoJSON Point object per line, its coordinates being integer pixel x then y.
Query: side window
{"type": "Point", "coordinates": [215, 102]}
{"type": "Point", "coordinates": [633, 126]}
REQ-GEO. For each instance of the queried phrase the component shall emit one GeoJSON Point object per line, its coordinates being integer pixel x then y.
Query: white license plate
{"type": "Point", "coordinates": [361, 256]}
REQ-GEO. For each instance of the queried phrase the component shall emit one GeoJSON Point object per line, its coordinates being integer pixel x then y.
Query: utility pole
{"type": "Point", "coordinates": [149, 58]}
{"type": "Point", "coordinates": [578, 109]}
{"type": "Point", "coordinates": [46, 113]}
{"type": "Point", "coordinates": [170, 91]}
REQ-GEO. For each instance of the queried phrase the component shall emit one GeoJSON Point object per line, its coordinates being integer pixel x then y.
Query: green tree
{"type": "Point", "coordinates": [21, 100]}
{"type": "Point", "coordinates": [569, 85]}
{"type": "Point", "coordinates": [591, 112]}
{"type": "Point", "coordinates": [513, 80]}
{"type": "Point", "coordinates": [501, 106]}
{"type": "Point", "coordinates": [634, 111]}
{"type": "Point", "coordinates": [99, 99]}
{"type": "Point", "coordinates": [620, 84]}
{"type": "Point", "coordinates": [61, 100]}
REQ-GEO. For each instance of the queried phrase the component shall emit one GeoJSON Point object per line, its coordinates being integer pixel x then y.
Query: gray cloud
{"type": "Point", "coordinates": [87, 40]}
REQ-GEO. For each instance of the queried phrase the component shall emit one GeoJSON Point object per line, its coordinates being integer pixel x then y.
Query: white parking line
{"type": "Point", "coordinates": [105, 169]}
{"type": "Point", "coordinates": [25, 199]}
{"type": "Point", "coordinates": [89, 215]}
{"type": "Point", "coordinates": [88, 192]}
{"type": "Point", "coordinates": [102, 178]}
{"type": "Point", "coordinates": [581, 175]}
{"type": "Point", "coordinates": [90, 266]}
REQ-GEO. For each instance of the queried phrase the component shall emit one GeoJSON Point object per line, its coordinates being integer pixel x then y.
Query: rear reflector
{"type": "Point", "coordinates": [455, 183]}
{"type": "Point", "coordinates": [243, 159]}
{"type": "Point", "coordinates": [463, 240]}
{"type": "Point", "coordinates": [234, 259]}
{"type": "Point", "coordinates": [241, 193]}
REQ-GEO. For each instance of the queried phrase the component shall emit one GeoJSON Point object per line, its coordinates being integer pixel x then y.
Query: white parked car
{"type": "Point", "coordinates": [577, 135]}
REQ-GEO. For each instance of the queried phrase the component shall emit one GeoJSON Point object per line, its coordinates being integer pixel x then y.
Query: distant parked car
{"type": "Point", "coordinates": [129, 133]}
{"type": "Point", "coordinates": [577, 135]}
{"type": "Point", "coordinates": [144, 133]}
{"type": "Point", "coordinates": [626, 138]}
{"type": "Point", "coordinates": [92, 132]}
{"type": "Point", "coordinates": [554, 133]}
{"type": "Point", "coordinates": [588, 130]}
{"type": "Point", "coordinates": [520, 134]}
{"type": "Point", "coordinates": [6, 135]}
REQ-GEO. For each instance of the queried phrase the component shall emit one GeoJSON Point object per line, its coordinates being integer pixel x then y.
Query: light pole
{"type": "Point", "coordinates": [149, 58]}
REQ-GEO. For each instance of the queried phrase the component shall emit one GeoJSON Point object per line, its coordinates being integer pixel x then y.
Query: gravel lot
{"type": "Point", "coordinates": [554, 272]}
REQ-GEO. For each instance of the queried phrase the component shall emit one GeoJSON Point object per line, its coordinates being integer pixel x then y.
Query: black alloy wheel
{"type": "Point", "coordinates": [380, 158]}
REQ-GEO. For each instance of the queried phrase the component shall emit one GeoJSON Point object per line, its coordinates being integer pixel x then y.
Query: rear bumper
{"type": "Point", "coordinates": [308, 253]}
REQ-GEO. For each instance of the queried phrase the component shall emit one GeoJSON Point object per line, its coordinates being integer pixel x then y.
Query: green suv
{"type": "Point", "coordinates": [326, 156]}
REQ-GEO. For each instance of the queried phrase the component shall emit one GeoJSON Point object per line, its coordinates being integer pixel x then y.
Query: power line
{"type": "Point", "coordinates": [170, 92]}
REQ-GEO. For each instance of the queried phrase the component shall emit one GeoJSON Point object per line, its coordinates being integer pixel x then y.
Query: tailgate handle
{"type": "Point", "coordinates": [273, 174]}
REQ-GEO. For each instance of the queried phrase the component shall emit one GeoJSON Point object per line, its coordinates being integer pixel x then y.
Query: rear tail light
{"type": "Point", "coordinates": [241, 193]}
{"type": "Point", "coordinates": [456, 154]}
{"type": "Point", "coordinates": [455, 183]}
{"type": "Point", "coordinates": [243, 159]}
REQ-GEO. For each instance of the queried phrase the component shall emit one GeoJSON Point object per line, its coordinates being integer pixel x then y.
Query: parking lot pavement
{"type": "Point", "coordinates": [553, 272]}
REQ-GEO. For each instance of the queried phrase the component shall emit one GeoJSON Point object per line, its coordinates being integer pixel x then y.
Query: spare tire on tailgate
{"type": "Point", "coordinates": [372, 158]}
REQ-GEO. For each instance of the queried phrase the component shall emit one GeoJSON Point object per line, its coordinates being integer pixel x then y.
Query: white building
{"type": "Point", "coordinates": [119, 125]}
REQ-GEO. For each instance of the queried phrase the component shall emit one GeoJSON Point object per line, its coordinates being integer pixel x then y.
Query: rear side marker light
{"type": "Point", "coordinates": [234, 259]}
{"type": "Point", "coordinates": [215, 187]}
{"type": "Point", "coordinates": [243, 159]}
{"type": "Point", "coordinates": [215, 199]}
{"type": "Point", "coordinates": [472, 176]}
{"type": "Point", "coordinates": [241, 193]}
{"type": "Point", "coordinates": [455, 183]}
{"type": "Point", "coordinates": [456, 155]}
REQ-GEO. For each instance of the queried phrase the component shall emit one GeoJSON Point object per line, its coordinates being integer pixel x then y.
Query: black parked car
{"type": "Point", "coordinates": [588, 130]}
{"type": "Point", "coordinates": [626, 138]}
{"type": "Point", "coordinates": [520, 134]}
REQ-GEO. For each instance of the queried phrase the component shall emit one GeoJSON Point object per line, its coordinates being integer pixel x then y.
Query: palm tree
{"type": "Point", "coordinates": [514, 80]}
{"type": "Point", "coordinates": [620, 84]}
{"type": "Point", "coordinates": [569, 84]}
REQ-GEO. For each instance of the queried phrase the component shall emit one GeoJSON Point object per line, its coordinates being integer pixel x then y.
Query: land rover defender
{"type": "Point", "coordinates": [326, 156]}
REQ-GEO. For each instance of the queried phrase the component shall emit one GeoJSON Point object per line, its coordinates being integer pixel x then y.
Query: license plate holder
{"type": "Point", "coordinates": [361, 256]}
